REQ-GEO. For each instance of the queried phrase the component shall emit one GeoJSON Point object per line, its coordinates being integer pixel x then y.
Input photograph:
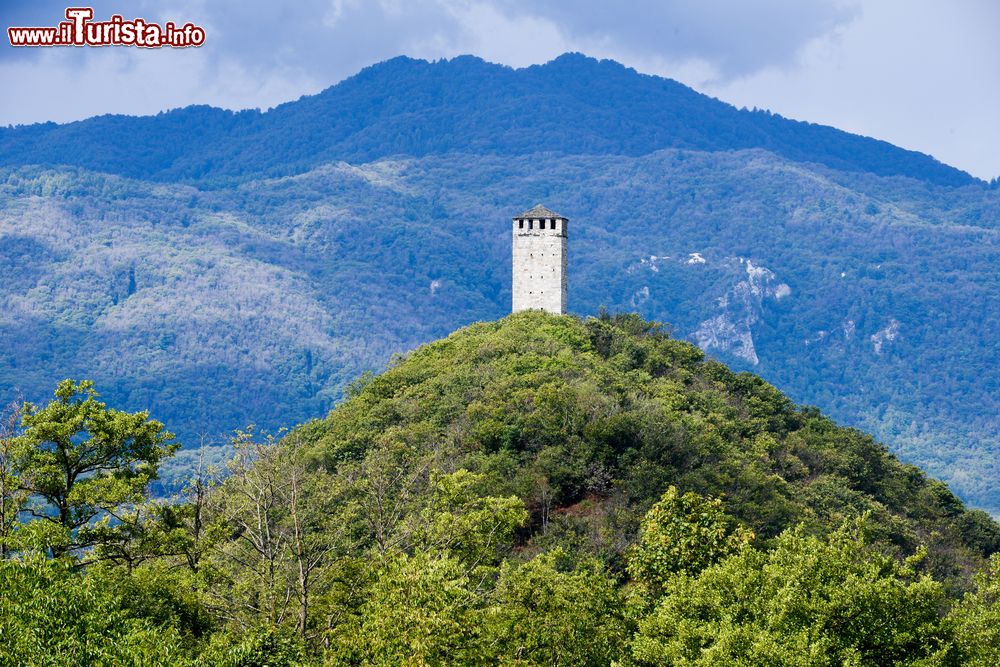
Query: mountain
{"type": "Point", "coordinates": [224, 269]}
{"type": "Point", "coordinates": [536, 490]}
{"type": "Point", "coordinates": [588, 421]}
{"type": "Point", "coordinates": [573, 105]}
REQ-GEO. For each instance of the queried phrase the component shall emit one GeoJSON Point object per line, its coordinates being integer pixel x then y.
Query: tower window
{"type": "Point", "coordinates": [520, 224]}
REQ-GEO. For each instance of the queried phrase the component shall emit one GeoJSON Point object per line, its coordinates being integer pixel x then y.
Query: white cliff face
{"type": "Point", "coordinates": [885, 335]}
{"type": "Point", "coordinates": [640, 296]}
{"type": "Point", "coordinates": [849, 327]}
{"type": "Point", "coordinates": [653, 262]}
{"type": "Point", "coordinates": [727, 334]}
{"type": "Point", "coordinates": [730, 331]}
{"type": "Point", "coordinates": [843, 332]}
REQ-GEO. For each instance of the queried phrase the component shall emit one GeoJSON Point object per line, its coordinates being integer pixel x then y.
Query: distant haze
{"type": "Point", "coordinates": [923, 75]}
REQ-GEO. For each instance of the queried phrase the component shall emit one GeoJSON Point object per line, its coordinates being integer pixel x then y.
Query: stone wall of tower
{"type": "Point", "coordinates": [540, 265]}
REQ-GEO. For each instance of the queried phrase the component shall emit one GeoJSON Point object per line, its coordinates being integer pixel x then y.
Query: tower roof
{"type": "Point", "coordinates": [539, 212]}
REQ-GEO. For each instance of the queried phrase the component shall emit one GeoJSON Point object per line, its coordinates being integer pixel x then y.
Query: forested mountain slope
{"type": "Point", "coordinates": [573, 105]}
{"type": "Point", "coordinates": [223, 269]}
{"type": "Point", "coordinates": [588, 421]}
{"type": "Point", "coordinates": [537, 490]}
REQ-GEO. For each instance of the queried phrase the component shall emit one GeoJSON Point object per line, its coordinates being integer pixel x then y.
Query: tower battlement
{"type": "Point", "coordinates": [539, 261]}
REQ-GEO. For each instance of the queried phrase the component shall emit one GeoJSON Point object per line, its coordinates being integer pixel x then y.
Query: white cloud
{"type": "Point", "coordinates": [917, 73]}
{"type": "Point", "coordinates": [514, 40]}
{"type": "Point", "coordinates": [53, 87]}
{"type": "Point", "coordinates": [732, 36]}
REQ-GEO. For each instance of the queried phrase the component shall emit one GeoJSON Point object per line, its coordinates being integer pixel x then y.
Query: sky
{"type": "Point", "coordinates": [922, 74]}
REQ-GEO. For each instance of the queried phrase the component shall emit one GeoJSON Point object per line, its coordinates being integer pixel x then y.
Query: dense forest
{"type": "Point", "coordinates": [222, 268]}
{"type": "Point", "coordinates": [538, 490]}
{"type": "Point", "coordinates": [574, 105]}
{"type": "Point", "coordinates": [872, 298]}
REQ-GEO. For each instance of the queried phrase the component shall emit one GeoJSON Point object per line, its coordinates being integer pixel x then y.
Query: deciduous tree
{"type": "Point", "coordinates": [86, 467]}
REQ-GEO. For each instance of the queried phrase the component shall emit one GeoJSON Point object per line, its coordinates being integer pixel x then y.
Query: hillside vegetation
{"type": "Point", "coordinates": [215, 309]}
{"type": "Point", "coordinates": [223, 269]}
{"type": "Point", "coordinates": [540, 490]}
{"type": "Point", "coordinates": [588, 422]}
{"type": "Point", "coordinates": [573, 105]}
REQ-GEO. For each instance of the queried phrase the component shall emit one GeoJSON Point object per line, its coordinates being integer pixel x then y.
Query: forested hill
{"type": "Point", "coordinates": [538, 490]}
{"type": "Point", "coordinates": [224, 269]}
{"type": "Point", "coordinates": [588, 421]}
{"type": "Point", "coordinates": [573, 105]}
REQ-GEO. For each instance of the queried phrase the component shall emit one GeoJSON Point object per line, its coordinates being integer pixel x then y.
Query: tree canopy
{"type": "Point", "coordinates": [540, 490]}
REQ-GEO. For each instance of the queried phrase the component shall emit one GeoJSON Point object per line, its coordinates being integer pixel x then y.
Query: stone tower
{"type": "Point", "coordinates": [540, 261]}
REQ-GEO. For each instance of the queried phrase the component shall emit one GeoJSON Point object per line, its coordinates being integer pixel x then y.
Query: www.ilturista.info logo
{"type": "Point", "coordinates": [80, 30]}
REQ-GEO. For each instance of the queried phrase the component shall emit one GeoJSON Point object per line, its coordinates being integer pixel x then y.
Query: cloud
{"type": "Point", "coordinates": [921, 74]}
{"type": "Point", "coordinates": [256, 54]}
{"type": "Point", "coordinates": [732, 37]}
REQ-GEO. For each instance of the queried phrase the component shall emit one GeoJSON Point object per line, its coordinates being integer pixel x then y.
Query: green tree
{"type": "Point", "coordinates": [976, 620]}
{"type": "Point", "coordinates": [809, 601]}
{"type": "Point", "coordinates": [263, 646]}
{"type": "Point", "coordinates": [460, 519]}
{"type": "Point", "coordinates": [419, 610]}
{"type": "Point", "coordinates": [53, 615]}
{"type": "Point", "coordinates": [86, 467]}
{"type": "Point", "coordinates": [683, 534]}
{"type": "Point", "coordinates": [247, 571]}
{"type": "Point", "coordinates": [12, 493]}
{"type": "Point", "coordinates": [550, 611]}
{"type": "Point", "coordinates": [277, 532]}
{"type": "Point", "coordinates": [419, 595]}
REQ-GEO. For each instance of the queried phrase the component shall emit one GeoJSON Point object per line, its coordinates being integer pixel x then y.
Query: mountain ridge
{"type": "Point", "coordinates": [465, 104]}
{"type": "Point", "coordinates": [275, 290]}
{"type": "Point", "coordinates": [608, 411]}
{"type": "Point", "coordinates": [537, 489]}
